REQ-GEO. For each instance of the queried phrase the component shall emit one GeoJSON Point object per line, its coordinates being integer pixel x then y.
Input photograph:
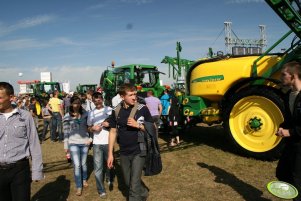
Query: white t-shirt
{"type": "Point", "coordinates": [96, 117]}
{"type": "Point", "coordinates": [9, 114]}
{"type": "Point", "coordinates": [116, 100]}
{"type": "Point", "coordinates": [89, 105]}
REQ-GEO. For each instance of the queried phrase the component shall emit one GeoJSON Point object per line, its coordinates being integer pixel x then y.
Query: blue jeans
{"type": "Point", "coordinates": [79, 153]}
{"type": "Point", "coordinates": [100, 156]}
{"type": "Point", "coordinates": [56, 122]}
{"type": "Point", "coordinates": [46, 123]}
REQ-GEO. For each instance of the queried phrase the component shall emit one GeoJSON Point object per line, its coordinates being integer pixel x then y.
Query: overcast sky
{"type": "Point", "coordinates": [77, 40]}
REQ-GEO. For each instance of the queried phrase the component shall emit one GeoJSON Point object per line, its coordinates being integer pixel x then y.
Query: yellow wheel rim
{"type": "Point", "coordinates": [185, 101]}
{"type": "Point", "coordinates": [186, 112]}
{"type": "Point", "coordinates": [262, 138]}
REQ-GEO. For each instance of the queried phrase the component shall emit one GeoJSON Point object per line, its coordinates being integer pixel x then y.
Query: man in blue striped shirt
{"type": "Point", "coordinates": [18, 142]}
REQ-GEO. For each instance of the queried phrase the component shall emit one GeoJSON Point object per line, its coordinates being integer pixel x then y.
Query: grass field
{"type": "Point", "coordinates": [203, 167]}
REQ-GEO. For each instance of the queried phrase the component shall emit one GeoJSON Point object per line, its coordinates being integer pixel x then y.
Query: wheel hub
{"type": "Point", "coordinates": [255, 123]}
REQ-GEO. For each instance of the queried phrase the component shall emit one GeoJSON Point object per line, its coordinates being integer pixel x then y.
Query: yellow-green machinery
{"type": "Point", "coordinates": [83, 88]}
{"type": "Point", "coordinates": [244, 92]}
{"type": "Point", "coordinates": [144, 77]}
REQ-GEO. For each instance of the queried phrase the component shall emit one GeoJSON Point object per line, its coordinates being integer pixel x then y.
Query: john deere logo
{"type": "Point", "coordinates": [212, 78]}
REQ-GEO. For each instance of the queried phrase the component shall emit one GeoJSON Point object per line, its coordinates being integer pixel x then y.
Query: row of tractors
{"type": "Point", "coordinates": [241, 92]}
{"type": "Point", "coordinates": [43, 90]}
{"type": "Point", "coordinates": [40, 89]}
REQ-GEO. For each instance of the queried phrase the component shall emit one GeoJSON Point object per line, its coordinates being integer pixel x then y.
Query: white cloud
{"type": "Point", "coordinates": [34, 21]}
{"type": "Point", "coordinates": [30, 43]}
{"type": "Point", "coordinates": [139, 2]}
{"type": "Point", "coordinates": [137, 60]}
{"type": "Point", "coordinates": [110, 3]}
{"type": "Point", "coordinates": [18, 44]}
{"type": "Point", "coordinates": [191, 39]}
{"type": "Point", "coordinates": [26, 23]}
{"type": "Point", "coordinates": [96, 7]}
{"type": "Point", "coordinates": [244, 1]}
{"type": "Point", "coordinates": [74, 74]}
{"type": "Point", "coordinates": [65, 41]}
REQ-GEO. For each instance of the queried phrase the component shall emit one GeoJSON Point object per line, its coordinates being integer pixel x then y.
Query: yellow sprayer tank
{"type": "Point", "coordinates": [211, 80]}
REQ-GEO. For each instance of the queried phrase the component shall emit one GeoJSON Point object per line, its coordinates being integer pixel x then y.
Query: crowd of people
{"type": "Point", "coordinates": [83, 120]}
{"type": "Point", "coordinates": [164, 111]}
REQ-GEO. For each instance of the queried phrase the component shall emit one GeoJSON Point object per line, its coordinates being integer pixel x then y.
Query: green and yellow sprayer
{"type": "Point", "coordinates": [244, 91]}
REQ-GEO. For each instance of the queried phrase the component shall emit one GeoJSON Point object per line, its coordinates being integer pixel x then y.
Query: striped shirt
{"type": "Point", "coordinates": [75, 130]}
{"type": "Point", "coordinates": [19, 139]}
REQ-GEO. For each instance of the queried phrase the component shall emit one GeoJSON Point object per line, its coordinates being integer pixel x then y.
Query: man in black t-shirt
{"type": "Point", "coordinates": [127, 129]}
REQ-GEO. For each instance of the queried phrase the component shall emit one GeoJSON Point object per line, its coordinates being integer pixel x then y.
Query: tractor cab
{"type": "Point", "coordinates": [145, 77]}
{"type": "Point", "coordinates": [44, 89]}
{"type": "Point", "coordinates": [83, 88]}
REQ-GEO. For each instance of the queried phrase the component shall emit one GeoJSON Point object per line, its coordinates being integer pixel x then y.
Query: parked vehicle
{"type": "Point", "coordinates": [83, 88]}
{"type": "Point", "coordinates": [244, 92]}
{"type": "Point", "coordinates": [144, 77]}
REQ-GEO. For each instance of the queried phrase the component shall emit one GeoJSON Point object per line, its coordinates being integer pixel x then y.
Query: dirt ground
{"type": "Point", "coordinates": [203, 167]}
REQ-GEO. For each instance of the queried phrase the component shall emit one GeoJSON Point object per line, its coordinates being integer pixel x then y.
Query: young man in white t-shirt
{"type": "Point", "coordinates": [99, 127]}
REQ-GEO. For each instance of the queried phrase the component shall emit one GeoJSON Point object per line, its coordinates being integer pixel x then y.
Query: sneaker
{"type": "Point", "coordinates": [111, 186]}
{"type": "Point", "coordinates": [78, 192]}
{"type": "Point", "coordinates": [85, 183]}
{"type": "Point", "coordinates": [103, 195]}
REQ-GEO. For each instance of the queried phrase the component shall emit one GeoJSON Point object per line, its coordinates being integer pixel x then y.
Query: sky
{"type": "Point", "coordinates": [76, 40]}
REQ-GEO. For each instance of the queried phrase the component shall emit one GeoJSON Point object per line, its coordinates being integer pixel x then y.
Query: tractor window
{"type": "Point", "coordinates": [41, 88]}
{"type": "Point", "coordinates": [92, 88]}
{"type": "Point", "coordinates": [127, 76]}
{"type": "Point", "coordinates": [119, 79]}
{"type": "Point", "coordinates": [57, 87]}
{"type": "Point", "coordinates": [47, 88]}
{"type": "Point", "coordinates": [123, 77]}
{"type": "Point", "coordinates": [50, 88]}
{"type": "Point", "coordinates": [148, 78]}
{"type": "Point", "coordinates": [84, 89]}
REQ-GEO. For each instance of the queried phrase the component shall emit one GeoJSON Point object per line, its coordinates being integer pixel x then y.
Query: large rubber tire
{"type": "Point", "coordinates": [267, 107]}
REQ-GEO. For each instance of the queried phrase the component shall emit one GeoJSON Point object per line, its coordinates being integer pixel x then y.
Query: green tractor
{"type": "Point", "coordinates": [83, 88]}
{"type": "Point", "coordinates": [42, 90]}
{"type": "Point", "coordinates": [244, 92]}
{"type": "Point", "coordinates": [144, 77]}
